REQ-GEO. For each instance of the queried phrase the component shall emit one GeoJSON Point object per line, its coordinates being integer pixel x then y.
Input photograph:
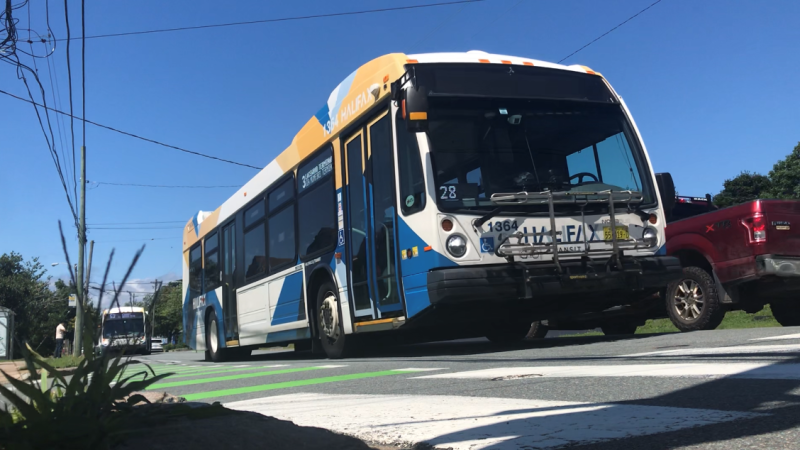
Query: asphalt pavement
{"type": "Point", "coordinates": [731, 389]}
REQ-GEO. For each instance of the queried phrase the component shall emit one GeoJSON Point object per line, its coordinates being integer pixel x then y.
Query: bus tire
{"type": "Point", "coordinates": [538, 330]}
{"type": "Point", "coordinates": [329, 324]}
{"type": "Point", "coordinates": [213, 350]}
{"type": "Point", "coordinates": [508, 333]}
{"type": "Point", "coordinates": [692, 301]}
{"type": "Point", "coordinates": [618, 328]}
{"type": "Point", "coordinates": [786, 312]}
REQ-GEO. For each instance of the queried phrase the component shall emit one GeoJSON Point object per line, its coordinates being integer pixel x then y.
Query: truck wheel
{"type": "Point", "coordinates": [786, 313]}
{"type": "Point", "coordinates": [538, 330]}
{"type": "Point", "coordinates": [213, 350]}
{"type": "Point", "coordinates": [619, 329]}
{"type": "Point", "coordinates": [508, 333]}
{"type": "Point", "coordinates": [692, 301]}
{"type": "Point", "coordinates": [329, 324]}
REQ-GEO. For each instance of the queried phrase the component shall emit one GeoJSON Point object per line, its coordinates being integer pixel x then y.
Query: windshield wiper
{"type": "Point", "coordinates": [483, 219]}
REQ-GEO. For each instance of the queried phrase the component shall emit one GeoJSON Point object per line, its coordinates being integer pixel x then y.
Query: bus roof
{"type": "Point", "coordinates": [349, 100]}
{"type": "Point", "coordinates": [124, 309]}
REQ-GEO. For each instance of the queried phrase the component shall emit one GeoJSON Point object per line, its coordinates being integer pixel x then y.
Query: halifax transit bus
{"type": "Point", "coordinates": [435, 196]}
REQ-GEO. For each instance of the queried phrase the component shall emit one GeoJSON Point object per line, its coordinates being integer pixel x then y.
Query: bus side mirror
{"type": "Point", "coordinates": [414, 108]}
{"type": "Point", "coordinates": [666, 187]}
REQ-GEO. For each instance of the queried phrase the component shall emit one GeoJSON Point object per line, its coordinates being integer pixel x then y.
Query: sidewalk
{"type": "Point", "coordinates": [14, 369]}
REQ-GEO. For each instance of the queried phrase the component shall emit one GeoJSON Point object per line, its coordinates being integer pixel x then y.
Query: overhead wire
{"type": "Point", "coordinates": [8, 54]}
{"type": "Point", "coordinates": [173, 186]}
{"type": "Point", "coordinates": [71, 110]}
{"type": "Point", "coordinates": [286, 19]}
{"type": "Point", "coordinates": [153, 141]}
{"type": "Point", "coordinates": [609, 31]}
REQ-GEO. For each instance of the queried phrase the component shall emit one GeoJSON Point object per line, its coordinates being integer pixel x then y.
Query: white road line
{"type": "Point", "coordinates": [778, 338]}
{"type": "Point", "coordinates": [242, 365]}
{"type": "Point", "coordinates": [478, 423]}
{"type": "Point", "coordinates": [762, 371]}
{"type": "Point", "coordinates": [743, 349]}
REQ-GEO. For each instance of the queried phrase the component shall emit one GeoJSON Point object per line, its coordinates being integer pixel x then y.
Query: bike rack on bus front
{"type": "Point", "coordinates": [509, 250]}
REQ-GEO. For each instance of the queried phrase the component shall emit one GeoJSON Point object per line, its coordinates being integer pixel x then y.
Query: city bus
{"type": "Point", "coordinates": [435, 196]}
{"type": "Point", "coordinates": [125, 328]}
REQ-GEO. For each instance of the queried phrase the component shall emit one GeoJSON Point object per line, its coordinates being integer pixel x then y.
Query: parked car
{"type": "Point", "coordinates": [157, 344]}
{"type": "Point", "coordinates": [737, 258]}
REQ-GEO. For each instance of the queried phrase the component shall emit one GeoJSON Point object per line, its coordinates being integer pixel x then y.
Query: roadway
{"type": "Point", "coordinates": [726, 389]}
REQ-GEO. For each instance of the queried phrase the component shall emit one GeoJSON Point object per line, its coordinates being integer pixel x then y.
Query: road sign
{"type": "Point", "coordinates": [73, 300]}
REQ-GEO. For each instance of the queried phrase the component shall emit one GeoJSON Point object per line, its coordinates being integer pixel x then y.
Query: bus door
{"type": "Point", "coordinates": [374, 290]}
{"type": "Point", "coordinates": [228, 282]}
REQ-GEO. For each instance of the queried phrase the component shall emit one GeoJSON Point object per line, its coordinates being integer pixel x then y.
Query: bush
{"type": "Point", "coordinates": [177, 346]}
{"type": "Point", "coordinates": [91, 410]}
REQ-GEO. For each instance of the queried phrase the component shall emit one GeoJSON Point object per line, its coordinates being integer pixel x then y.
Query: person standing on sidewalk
{"type": "Point", "coordinates": [60, 330]}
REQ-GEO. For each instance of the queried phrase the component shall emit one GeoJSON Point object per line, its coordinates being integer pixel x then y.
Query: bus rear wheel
{"type": "Point", "coordinates": [329, 323]}
{"type": "Point", "coordinates": [213, 350]}
{"type": "Point", "coordinates": [508, 333]}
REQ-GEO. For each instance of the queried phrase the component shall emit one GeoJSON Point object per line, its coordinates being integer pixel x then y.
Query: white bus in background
{"type": "Point", "coordinates": [125, 328]}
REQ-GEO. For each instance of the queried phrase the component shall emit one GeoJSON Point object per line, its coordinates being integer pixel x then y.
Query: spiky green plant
{"type": "Point", "coordinates": [90, 409]}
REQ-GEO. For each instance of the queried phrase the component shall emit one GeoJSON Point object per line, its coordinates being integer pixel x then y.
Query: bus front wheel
{"type": "Point", "coordinates": [329, 323]}
{"type": "Point", "coordinates": [508, 333]}
{"type": "Point", "coordinates": [213, 351]}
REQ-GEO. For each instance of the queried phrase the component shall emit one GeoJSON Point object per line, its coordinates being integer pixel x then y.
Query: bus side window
{"type": "Point", "coordinates": [195, 271]}
{"type": "Point", "coordinates": [412, 180]}
{"type": "Point", "coordinates": [211, 271]}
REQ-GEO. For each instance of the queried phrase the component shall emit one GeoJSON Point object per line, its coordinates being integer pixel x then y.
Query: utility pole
{"type": "Point", "coordinates": [82, 212]}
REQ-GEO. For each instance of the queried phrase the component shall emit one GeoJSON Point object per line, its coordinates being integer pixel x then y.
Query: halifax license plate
{"type": "Point", "coordinates": [622, 233]}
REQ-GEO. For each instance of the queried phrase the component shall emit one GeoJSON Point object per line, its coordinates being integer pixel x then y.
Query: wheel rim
{"type": "Point", "coordinates": [329, 316]}
{"type": "Point", "coordinates": [213, 337]}
{"type": "Point", "coordinates": [689, 300]}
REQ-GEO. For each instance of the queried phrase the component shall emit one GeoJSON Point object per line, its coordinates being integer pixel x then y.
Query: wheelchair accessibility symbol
{"type": "Point", "coordinates": [341, 237]}
{"type": "Point", "coordinates": [487, 245]}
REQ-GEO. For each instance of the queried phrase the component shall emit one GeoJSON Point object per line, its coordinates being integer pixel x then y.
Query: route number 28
{"type": "Point", "coordinates": [505, 225]}
{"type": "Point", "coordinates": [448, 192]}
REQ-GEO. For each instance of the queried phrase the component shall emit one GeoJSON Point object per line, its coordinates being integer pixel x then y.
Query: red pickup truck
{"type": "Point", "coordinates": [737, 258]}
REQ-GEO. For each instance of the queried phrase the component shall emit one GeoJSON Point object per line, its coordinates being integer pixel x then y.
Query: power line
{"type": "Point", "coordinates": [131, 134]}
{"type": "Point", "coordinates": [139, 223]}
{"type": "Point", "coordinates": [137, 240]}
{"type": "Point", "coordinates": [284, 19]}
{"type": "Point", "coordinates": [609, 31]}
{"type": "Point", "coordinates": [161, 185]}
{"type": "Point", "coordinates": [69, 79]}
{"type": "Point", "coordinates": [137, 228]}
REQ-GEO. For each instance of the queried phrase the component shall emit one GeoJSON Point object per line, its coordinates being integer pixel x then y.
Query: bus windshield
{"type": "Point", "coordinates": [481, 147]}
{"type": "Point", "coordinates": [123, 328]}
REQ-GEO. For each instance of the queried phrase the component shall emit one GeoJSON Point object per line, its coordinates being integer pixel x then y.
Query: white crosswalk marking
{"type": "Point", "coordinates": [711, 351]}
{"type": "Point", "coordinates": [479, 423]}
{"type": "Point", "coordinates": [778, 338]}
{"type": "Point", "coordinates": [764, 371]}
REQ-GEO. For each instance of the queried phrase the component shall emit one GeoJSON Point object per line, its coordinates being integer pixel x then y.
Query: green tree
{"type": "Point", "coordinates": [785, 176]}
{"type": "Point", "coordinates": [743, 188]}
{"type": "Point", "coordinates": [25, 290]}
{"type": "Point", "coordinates": [168, 310]}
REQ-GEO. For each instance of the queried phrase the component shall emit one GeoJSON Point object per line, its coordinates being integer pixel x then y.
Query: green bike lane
{"type": "Point", "coordinates": [233, 382]}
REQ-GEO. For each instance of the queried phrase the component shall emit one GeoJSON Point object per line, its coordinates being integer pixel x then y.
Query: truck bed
{"type": "Point", "coordinates": [726, 236]}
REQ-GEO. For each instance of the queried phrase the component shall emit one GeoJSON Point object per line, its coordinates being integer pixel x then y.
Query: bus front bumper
{"type": "Point", "coordinates": [516, 281]}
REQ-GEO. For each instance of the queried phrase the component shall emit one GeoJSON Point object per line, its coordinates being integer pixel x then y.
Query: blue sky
{"type": "Point", "coordinates": [711, 85]}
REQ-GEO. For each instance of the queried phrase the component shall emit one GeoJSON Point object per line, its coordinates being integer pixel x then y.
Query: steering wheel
{"type": "Point", "coordinates": [580, 176]}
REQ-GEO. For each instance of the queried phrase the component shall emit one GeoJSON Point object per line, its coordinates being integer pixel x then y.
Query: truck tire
{"type": "Point", "coordinates": [618, 329]}
{"type": "Point", "coordinates": [508, 333]}
{"type": "Point", "coordinates": [538, 330]}
{"type": "Point", "coordinates": [692, 301]}
{"type": "Point", "coordinates": [787, 313]}
{"type": "Point", "coordinates": [329, 324]}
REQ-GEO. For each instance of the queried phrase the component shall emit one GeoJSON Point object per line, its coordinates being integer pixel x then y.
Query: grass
{"type": "Point", "coordinates": [733, 320]}
{"type": "Point", "coordinates": [63, 362]}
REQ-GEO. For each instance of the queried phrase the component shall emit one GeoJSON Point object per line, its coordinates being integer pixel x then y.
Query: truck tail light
{"type": "Point", "coordinates": [756, 227]}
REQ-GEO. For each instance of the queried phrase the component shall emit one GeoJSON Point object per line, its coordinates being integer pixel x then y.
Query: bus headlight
{"type": "Point", "coordinates": [650, 237]}
{"type": "Point", "coordinates": [104, 342]}
{"type": "Point", "coordinates": [457, 245]}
